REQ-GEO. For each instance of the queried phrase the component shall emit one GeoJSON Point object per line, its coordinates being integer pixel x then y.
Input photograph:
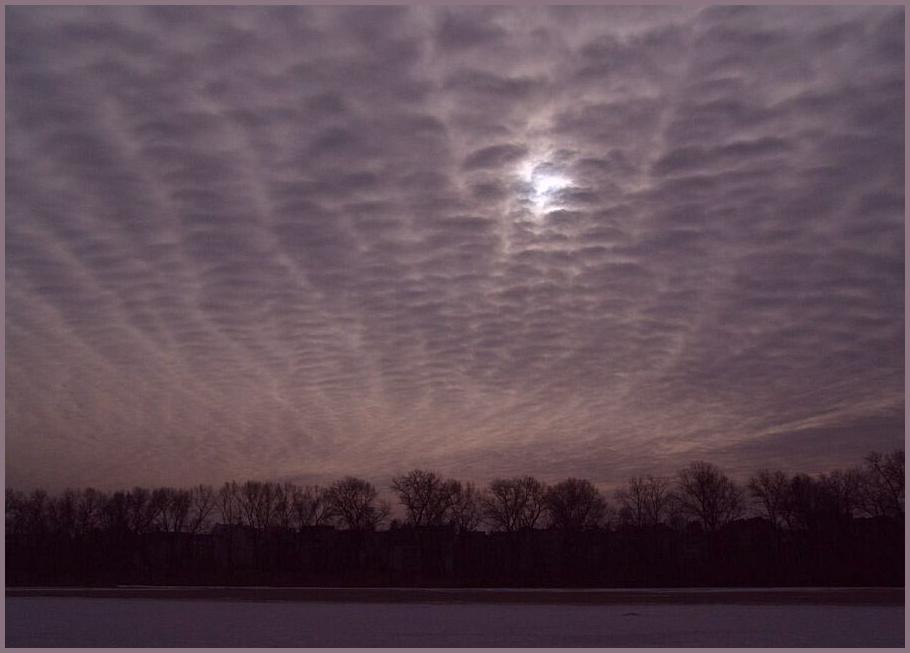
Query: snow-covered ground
{"type": "Point", "coordinates": [91, 622]}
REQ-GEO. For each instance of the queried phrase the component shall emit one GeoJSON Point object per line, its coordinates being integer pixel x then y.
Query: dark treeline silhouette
{"type": "Point", "coordinates": [699, 528]}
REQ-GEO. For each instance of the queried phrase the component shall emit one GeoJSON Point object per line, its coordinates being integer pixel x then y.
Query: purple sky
{"type": "Point", "coordinates": [297, 243]}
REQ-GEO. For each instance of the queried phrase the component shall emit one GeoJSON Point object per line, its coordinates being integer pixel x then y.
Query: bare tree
{"type": "Point", "coordinates": [61, 513]}
{"type": "Point", "coordinates": [535, 491]}
{"type": "Point", "coordinates": [575, 504]}
{"type": "Point", "coordinates": [229, 504]}
{"type": "Point", "coordinates": [202, 505]}
{"type": "Point", "coordinates": [709, 495]}
{"type": "Point", "coordinates": [88, 510]}
{"type": "Point", "coordinates": [645, 501]}
{"type": "Point", "coordinates": [284, 504]}
{"type": "Point", "coordinates": [800, 506]}
{"type": "Point", "coordinates": [840, 493]}
{"type": "Point", "coordinates": [829, 499]}
{"type": "Point", "coordinates": [15, 512]}
{"type": "Point", "coordinates": [353, 503]}
{"type": "Point", "coordinates": [115, 513]}
{"type": "Point", "coordinates": [769, 489]}
{"type": "Point", "coordinates": [143, 508]}
{"type": "Point", "coordinates": [882, 490]}
{"type": "Point", "coordinates": [36, 511]}
{"type": "Point", "coordinates": [28, 517]}
{"type": "Point", "coordinates": [426, 497]}
{"type": "Point", "coordinates": [249, 501]}
{"type": "Point", "coordinates": [310, 506]}
{"type": "Point", "coordinates": [259, 503]}
{"type": "Point", "coordinates": [465, 514]}
{"type": "Point", "coordinates": [511, 504]}
{"type": "Point", "coordinates": [659, 500]}
{"type": "Point", "coordinates": [175, 510]}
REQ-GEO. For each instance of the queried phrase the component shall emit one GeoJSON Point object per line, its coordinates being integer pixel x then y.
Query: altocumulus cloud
{"type": "Point", "coordinates": [300, 242]}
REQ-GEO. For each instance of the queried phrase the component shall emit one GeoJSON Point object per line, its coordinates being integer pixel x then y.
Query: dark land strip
{"type": "Point", "coordinates": [691, 596]}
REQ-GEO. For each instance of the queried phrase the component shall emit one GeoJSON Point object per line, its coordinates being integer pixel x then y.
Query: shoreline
{"type": "Point", "coordinates": [871, 596]}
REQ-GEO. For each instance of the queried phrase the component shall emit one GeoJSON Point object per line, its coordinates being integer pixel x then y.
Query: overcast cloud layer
{"type": "Point", "coordinates": [298, 243]}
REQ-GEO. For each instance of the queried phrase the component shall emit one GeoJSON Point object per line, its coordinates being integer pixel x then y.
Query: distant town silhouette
{"type": "Point", "coordinates": [699, 528]}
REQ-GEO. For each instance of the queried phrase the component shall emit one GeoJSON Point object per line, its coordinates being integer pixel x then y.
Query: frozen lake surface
{"type": "Point", "coordinates": [140, 622]}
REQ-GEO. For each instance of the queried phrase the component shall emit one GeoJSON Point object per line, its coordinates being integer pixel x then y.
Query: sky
{"type": "Point", "coordinates": [298, 243]}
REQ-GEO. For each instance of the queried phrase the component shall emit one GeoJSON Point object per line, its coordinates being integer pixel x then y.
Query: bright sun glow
{"type": "Point", "coordinates": [544, 182]}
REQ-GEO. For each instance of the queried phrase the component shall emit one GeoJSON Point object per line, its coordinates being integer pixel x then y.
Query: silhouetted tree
{"type": "Point", "coordinates": [115, 514]}
{"type": "Point", "coordinates": [840, 493]}
{"type": "Point", "coordinates": [815, 502]}
{"type": "Point", "coordinates": [229, 504]}
{"type": "Point", "coordinates": [511, 504]}
{"type": "Point", "coordinates": [465, 513]}
{"type": "Point", "coordinates": [259, 503]}
{"type": "Point", "coordinates": [800, 508]}
{"type": "Point", "coordinates": [202, 505]}
{"type": "Point", "coordinates": [769, 489]}
{"type": "Point", "coordinates": [426, 497]}
{"type": "Point", "coordinates": [645, 501]}
{"type": "Point", "coordinates": [882, 490]}
{"type": "Point", "coordinates": [143, 508]}
{"type": "Point", "coordinates": [175, 513]}
{"type": "Point", "coordinates": [138, 536]}
{"type": "Point", "coordinates": [34, 515]}
{"type": "Point", "coordinates": [88, 510]}
{"type": "Point", "coordinates": [708, 495]}
{"type": "Point", "coordinates": [61, 514]}
{"type": "Point", "coordinates": [284, 514]}
{"type": "Point", "coordinates": [310, 506]}
{"type": "Point", "coordinates": [352, 501]}
{"type": "Point", "coordinates": [15, 508]}
{"type": "Point", "coordinates": [575, 504]}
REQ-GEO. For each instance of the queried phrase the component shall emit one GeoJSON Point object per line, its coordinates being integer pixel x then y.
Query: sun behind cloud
{"type": "Point", "coordinates": [306, 242]}
{"type": "Point", "coordinates": [542, 182]}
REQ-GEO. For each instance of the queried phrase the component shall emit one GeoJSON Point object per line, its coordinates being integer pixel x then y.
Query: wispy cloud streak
{"type": "Point", "coordinates": [296, 242]}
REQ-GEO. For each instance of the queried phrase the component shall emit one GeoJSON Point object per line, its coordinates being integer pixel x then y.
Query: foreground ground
{"type": "Point", "coordinates": [252, 617]}
{"type": "Point", "coordinates": [884, 596]}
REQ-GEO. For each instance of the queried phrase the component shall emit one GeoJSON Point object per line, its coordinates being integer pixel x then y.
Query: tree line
{"type": "Point", "coordinates": [700, 492]}
{"type": "Point", "coordinates": [795, 512]}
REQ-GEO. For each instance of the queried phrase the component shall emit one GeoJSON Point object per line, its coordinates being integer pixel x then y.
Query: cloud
{"type": "Point", "coordinates": [461, 30]}
{"type": "Point", "coordinates": [495, 156]}
{"type": "Point", "coordinates": [291, 242]}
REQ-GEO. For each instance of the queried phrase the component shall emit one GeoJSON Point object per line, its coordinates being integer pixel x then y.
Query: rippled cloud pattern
{"type": "Point", "coordinates": [301, 242]}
